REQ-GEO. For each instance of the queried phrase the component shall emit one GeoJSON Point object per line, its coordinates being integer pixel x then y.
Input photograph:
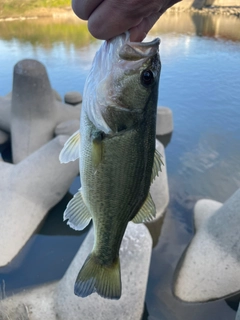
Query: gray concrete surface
{"type": "Point", "coordinates": [164, 121]}
{"type": "Point", "coordinates": [4, 137]}
{"type": "Point", "coordinates": [27, 191]}
{"type": "Point", "coordinates": [67, 127]}
{"type": "Point", "coordinates": [57, 301]}
{"type": "Point", "coordinates": [135, 256]}
{"type": "Point", "coordinates": [35, 304]}
{"type": "Point", "coordinates": [5, 113]}
{"type": "Point", "coordinates": [238, 313]}
{"type": "Point", "coordinates": [35, 112]}
{"type": "Point", "coordinates": [159, 188]}
{"type": "Point", "coordinates": [73, 97]}
{"type": "Point", "coordinates": [211, 266]}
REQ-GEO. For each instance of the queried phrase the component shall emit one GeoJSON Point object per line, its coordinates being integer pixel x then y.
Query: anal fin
{"type": "Point", "coordinates": [77, 213]}
{"type": "Point", "coordinates": [147, 211]}
{"type": "Point", "coordinates": [70, 151]}
{"type": "Point", "coordinates": [157, 164]}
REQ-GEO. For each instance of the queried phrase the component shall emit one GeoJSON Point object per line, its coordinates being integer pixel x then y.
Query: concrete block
{"type": "Point", "coordinates": [57, 300]}
{"type": "Point", "coordinates": [160, 193]}
{"type": "Point", "coordinates": [32, 112]}
{"type": "Point", "coordinates": [5, 113]}
{"type": "Point", "coordinates": [211, 266]}
{"type": "Point", "coordinates": [155, 228]}
{"type": "Point", "coordinates": [66, 112]}
{"type": "Point", "coordinates": [135, 256]}
{"type": "Point", "coordinates": [238, 313]}
{"type": "Point", "coordinates": [67, 127]}
{"type": "Point", "coordinates": [4, 137]}
{"type": "Point", "coordinates": [33, 109]}
{"type": "Point", "coordinates": [73, 98]}
{"type": "Point", "coordinates": [34, 304]}
{"type": "Point", "coordinates": [8, 95]}
{"type": "Point", "coordinates": [164, 121]}
{"type": "Point", "coordinates": [57, 95]}
{"type": "Point", "coordinates": [203, 210]}
{"type": "Point", "coordinates": [159, 188]}
{"type": "Point", "coordinates": [27, 191]}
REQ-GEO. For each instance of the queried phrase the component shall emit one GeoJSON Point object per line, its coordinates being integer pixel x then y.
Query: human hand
{"type": "Point", "coordinates": [109, 18]}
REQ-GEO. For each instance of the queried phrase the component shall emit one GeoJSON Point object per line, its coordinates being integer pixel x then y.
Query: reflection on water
{"type": "Point", "coordinates": [217, 26]}
{"type": "Point", "coordinates": [200, 82]}
{"type": "Point", "coordinates": [47, 32]}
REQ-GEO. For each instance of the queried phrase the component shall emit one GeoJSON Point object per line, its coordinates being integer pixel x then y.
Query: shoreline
{"type": "Point", "coordinates": [41, 13]}
{"type": "Point", "coordinates": [68, 13]}
{"type": "Point", "coordinates": [213, 10]}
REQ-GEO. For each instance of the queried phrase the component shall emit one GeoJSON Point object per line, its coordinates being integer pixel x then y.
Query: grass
{"type": "Point", "coordinates": [14, 8]}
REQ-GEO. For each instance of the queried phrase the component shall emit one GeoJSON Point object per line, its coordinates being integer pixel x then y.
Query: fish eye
{"type": "Point", "coordinates": [147, 78]}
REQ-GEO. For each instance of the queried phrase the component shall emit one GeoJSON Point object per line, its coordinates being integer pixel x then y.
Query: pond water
{"type": "Point", "coordinates": [200, 82]}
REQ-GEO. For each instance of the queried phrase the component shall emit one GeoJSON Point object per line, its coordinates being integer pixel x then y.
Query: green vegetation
{"type": "Point", "coordinates": [15, 8]}
{"type": "Point", "coordinates": [47, 32]}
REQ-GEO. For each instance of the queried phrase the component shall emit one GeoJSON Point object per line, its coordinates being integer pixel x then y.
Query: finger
{"type": "Point", "coordinates": [84, 8]}
{"type": "Point", "coordinates": [139, 32]}
{"type": "Point", "coordinates": [168, 4]}
{"type": "Point", "coordinates": [108, 21]}
{"type": "Point", "coordinates": [172, 2]}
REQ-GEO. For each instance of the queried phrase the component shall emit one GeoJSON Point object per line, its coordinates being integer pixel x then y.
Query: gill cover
{"type": "Point", "coordinates": [114, 60]}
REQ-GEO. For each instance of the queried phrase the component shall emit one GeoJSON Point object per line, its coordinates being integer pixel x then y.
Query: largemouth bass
{"type": "Point", "coordinates": [118, 161]}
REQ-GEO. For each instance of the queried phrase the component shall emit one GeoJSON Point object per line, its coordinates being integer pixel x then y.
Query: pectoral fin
{"type": "Point", "coordinates": [77, 213]}
{"type": "Point", "coordinates": [157, 163]}
{"type": "Point", "coordinates": [70, 151]}
{"type": "Point", "coordinates": [147, 211]}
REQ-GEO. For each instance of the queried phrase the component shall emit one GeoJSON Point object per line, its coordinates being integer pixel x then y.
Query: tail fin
{"type": "Point", "coordinates": [94, 277]}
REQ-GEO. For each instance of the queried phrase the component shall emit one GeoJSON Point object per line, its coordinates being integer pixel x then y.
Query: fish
{"type": "Point", "coordinates": [118, 161]}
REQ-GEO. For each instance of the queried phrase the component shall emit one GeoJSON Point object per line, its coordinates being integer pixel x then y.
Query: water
{"type": "Point", "coordinates": [200, 82]}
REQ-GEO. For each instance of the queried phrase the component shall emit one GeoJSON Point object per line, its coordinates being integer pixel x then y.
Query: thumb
{"type": "Point", "coordinates": [139, 32]}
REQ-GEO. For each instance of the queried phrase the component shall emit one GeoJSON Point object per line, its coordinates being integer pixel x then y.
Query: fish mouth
{"type": "Point", "coordinates": [134, 51]}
